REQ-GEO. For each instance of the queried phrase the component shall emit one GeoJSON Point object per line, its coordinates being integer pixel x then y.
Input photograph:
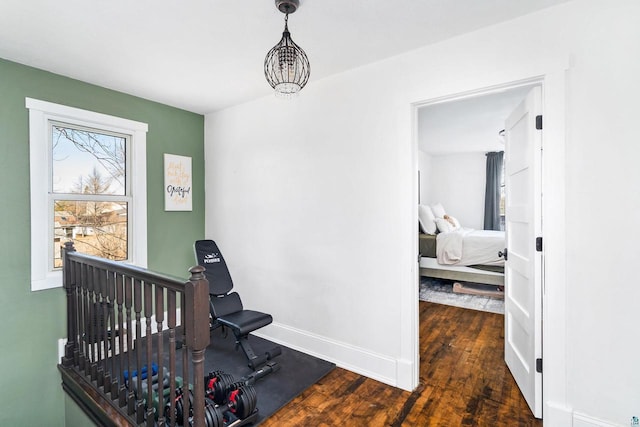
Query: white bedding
{"type": "Point", "coordinates": [470, 247]}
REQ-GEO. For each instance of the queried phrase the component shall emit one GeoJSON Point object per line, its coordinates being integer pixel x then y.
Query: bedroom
{"type": "Point", "coordinates": [454, 139]}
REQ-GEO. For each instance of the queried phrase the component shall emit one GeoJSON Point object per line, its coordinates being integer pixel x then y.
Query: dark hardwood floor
{"type": "Point", "coordinates": [463, 382]}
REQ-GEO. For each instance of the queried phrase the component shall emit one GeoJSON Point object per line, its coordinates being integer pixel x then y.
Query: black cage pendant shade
{"type": "Point", "coordinates": [286, 66]}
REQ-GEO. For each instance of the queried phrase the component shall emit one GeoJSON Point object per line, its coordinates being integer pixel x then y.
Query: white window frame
{"type": "Point", "coordinates": [41, 114]}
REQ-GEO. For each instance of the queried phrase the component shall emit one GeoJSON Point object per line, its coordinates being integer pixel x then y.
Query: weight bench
{"type": "Point", "coordinates": [226, 308]}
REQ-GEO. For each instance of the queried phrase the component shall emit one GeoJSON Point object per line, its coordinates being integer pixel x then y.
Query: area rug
{"type": "Point", "coordinates": [440, 291]}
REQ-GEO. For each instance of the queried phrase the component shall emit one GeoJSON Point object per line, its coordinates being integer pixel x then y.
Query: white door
{"type": "Point", "coordinates": [523, 269]}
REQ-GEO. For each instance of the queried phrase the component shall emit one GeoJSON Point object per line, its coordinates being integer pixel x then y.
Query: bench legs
{"type": "Point", "coordinates": [256, 361]}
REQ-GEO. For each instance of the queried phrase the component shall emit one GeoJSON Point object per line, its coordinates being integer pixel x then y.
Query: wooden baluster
{"type": "Point", "coordinates": [171, 324]}
{"type": "Point", "coordinates": [104, 327]}
{"type": "Point", "coordinates": [91, 287]}
{"type": "Point", "coordinates": [86, 302]}
{"type": "Point", "coordinates": [148, 312]}
{"type": "Point", "coordinates": [93, 330]}
{"type": "Point", "coordinates": [72, 311]}
{"type": "Point", "coordinates": [122, 356]}
{"type": "Point", "coordinates": [104, 319]}
{"type": "Point", "coordinates": [78, 353]}
{"type": "Point", "coordinates": [137, 301]}
{"type": "Point", "coordinates": [128, 302]}
{"type": "Point", "coordinates": [98, 277]}
{"type": "Point", "coordinates": [86, 359]}
{"type": "Point", "coordinates": [186, 356]}
{"type": "Point", "coordinates": [197, 331]}
{"type": "Point", "coordinates": [159, 310]}
{"type": "Point", "coordinates": [112, 382]}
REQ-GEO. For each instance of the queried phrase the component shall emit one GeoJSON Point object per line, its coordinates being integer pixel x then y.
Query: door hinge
{"type": "Point", "coordinates": [539, 244]}
{"type": "Point", "coordinates": [539, 122]}
{"type": "Point", "coordinates": [539, 366]}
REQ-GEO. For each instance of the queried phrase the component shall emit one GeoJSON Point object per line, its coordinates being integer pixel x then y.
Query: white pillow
{"type": "Point", "coordinates": [438, 210]}
{"type": "Point", "coordinates": [426, 219]}
{"type": "Point", "coordinates": [444, 226]}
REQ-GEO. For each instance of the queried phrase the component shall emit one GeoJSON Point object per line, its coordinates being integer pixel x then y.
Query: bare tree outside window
{"type": "Point", "coordinates": [90, 192]}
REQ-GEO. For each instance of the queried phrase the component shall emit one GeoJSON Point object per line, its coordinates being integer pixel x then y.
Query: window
{"type": "Point", "coordinates": [89, 191]}
{"type": "Point", "coordinates": [88, 185]}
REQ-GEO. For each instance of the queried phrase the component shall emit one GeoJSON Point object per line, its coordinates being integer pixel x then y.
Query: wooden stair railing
{"type": "Point", "coordinates": [123, 319]}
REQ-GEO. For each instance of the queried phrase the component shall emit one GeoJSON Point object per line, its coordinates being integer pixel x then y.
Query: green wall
{"type": "Point", "coordinates": [32, 322]}
{"type": "Point", "coordinates": [74, 415]}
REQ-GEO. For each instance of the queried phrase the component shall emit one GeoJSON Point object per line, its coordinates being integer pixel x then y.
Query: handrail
{"type": "Point", "coordinates": [168, 281]}
{"type": "Point", "coordinates": [123, 319]}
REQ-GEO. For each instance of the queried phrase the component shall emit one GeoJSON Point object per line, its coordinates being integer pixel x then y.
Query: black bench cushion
{"type": "Point", "coordinates": [209, 256]}
{"type": "Point", "coordinates": [226, 304]}
{"type": "Point", "coordinates": [245, 321]}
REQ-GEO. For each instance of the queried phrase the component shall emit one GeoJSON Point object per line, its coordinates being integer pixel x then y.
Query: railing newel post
{"type": "Point", "coordinates": [197, 334]}
{"type": "Point", "coordinates": [72, 310]}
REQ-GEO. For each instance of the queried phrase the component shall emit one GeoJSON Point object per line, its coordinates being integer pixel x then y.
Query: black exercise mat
{"type": "Point", "coordinates": [297, 370]}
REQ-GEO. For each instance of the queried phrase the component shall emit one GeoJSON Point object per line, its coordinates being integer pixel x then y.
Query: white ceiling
{"type": "Point", "coordinates": [205, 55]}
{"type": "Point", "coordinates": [467, 125]}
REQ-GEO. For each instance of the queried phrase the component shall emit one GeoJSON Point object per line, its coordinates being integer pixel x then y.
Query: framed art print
{"type": "Point", "coordinates": [177, 183]}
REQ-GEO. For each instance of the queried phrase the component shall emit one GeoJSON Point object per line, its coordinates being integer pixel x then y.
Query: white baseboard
{"type": "Point", "coordinates": [61, 343]}
{"type": "Point", "coordinates": [583, 420]}
{"type": "Point", "coordinates": [364, 362]}
{"type": "Point", "coordinates": [556, 415]}
{"type": "Point", "coordinates": [406, 377]}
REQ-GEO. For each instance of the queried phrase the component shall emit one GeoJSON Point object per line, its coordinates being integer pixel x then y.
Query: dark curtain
{"type": "Point", "coordinates": [492, 191]}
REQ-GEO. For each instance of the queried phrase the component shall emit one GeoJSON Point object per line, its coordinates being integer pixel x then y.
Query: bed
{"type": "Point", "coordinates": [463, 255]}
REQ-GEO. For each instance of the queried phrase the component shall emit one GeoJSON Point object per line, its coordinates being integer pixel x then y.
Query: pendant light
{"type": "Point", "coordinates": [286, 66]}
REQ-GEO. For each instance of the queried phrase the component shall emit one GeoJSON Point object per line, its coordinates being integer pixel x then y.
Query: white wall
{"type": "Point", "coordinates": [313, 202]}
{"type": "Point", "coordinates": [603, 334]}
{"type": "Point", "coordinates": [424, 166]}
{"type": "Point", "coordinates": [467, 125]}
{"type": "Point", "coordinates": [458, 182]}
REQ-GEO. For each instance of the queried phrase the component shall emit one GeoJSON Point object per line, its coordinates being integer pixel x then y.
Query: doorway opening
{"type": "Point", "coordinates": [454, 134]}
